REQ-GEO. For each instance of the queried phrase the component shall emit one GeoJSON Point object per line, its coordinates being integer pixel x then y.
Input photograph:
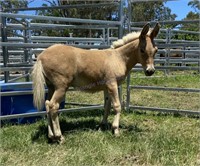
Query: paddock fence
{"type": "Point", "coordinates": [19, 50]}
{"type": "Point", "coordinates": [20, 47]}
{"type": "Point", "coordinates": [173, 55]}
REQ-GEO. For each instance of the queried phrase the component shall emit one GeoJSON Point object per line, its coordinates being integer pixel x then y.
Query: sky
{"type": "Point", "coordinates": [178, 7]}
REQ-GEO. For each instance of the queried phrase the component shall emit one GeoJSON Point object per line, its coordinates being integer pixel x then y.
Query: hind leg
{"type": "Point", "coordinates": [107, 107]}
{"type": "Point", "coordinates": [52, 107]}
{"type": "Point", "coordinates": [50, 94]}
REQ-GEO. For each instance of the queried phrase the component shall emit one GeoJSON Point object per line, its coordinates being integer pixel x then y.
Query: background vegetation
{"type": "Point", "coordinates": [150, 12]}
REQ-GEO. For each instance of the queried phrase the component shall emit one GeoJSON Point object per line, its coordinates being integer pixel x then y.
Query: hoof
{"type": "Point", "coordinates": [116, 132]}
{"type": "Point", "coordinates": [104, 126]}
{"type": "Point", "coordinates": [57, 139]}
{"type": "Point", "coordinates": [61, 140]}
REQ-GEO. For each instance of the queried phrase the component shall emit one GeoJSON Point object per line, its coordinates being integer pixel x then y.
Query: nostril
{"type": "Point", "coordinates": [149, 72]}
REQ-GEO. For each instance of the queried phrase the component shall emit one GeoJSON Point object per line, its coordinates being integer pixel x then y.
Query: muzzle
{"type": "Point", "coordinates": [149, 70]}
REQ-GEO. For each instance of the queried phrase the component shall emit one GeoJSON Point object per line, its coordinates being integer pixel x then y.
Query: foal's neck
{"type": "Point", "coordinates": [129, 54]}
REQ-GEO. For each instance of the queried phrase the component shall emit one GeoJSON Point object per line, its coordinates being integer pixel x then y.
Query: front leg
{"type": "Point", "coordinates": [113, 92]}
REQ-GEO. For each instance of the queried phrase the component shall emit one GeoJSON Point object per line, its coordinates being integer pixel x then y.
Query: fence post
{"type": "Point", "coordinates": [129, 17]}
{"type": "Point", "coordinates": [4, 48]}
{"type": "Point", "coordinates": [121, 19]}
{"type": "Point", "coordinates": [199, 62]}
{"type": "Point", "coordinates": [26, 35]}
{"type": "Point", "coordinates": [107, 31]}
{"type": "Point", "coordinates": [128, 91]}
{"type": "Point", "coordinates": [168, 49]}
{"type": "Point", "coordinates": [120, 35]}
{"type": "Point", "coordinates": [129, 74]}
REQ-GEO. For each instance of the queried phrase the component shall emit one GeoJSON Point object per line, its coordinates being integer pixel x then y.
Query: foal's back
{"type": "Point", "coordinates": [70, 66]}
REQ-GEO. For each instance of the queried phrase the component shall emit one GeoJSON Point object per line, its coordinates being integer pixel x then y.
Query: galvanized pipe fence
{"type": "Point", "coordinates": [27, 43]}
{"type": "Point", "coordinates": [17, 51]}
{"type": "Point", "coordinates": [188, 59]}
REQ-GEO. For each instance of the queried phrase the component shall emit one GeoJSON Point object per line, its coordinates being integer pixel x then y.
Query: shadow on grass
{"type": "Point", "coordinates": [90, 124]}
{"type": "Point", "coordinates": [66, 127]}
{"type": "Point", "coordinates": [74, 122]}
{"type": "Point", "coordinates": [40, 133]}
{"type": "Point", "coordinates": [131, 128]}
{"type": "Point", "coordinates": [71, 127]}
{"type": "Point", "coordinates": [86, 113]}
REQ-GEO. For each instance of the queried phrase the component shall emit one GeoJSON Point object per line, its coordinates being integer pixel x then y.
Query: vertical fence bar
{"type": "Point", "coordinates": [4, 48]}
{"type": "Point", "coordinates": [120, 35]}
{"type": "Point", "coordinates": [128, 91]}
{"type": "Point", "coordinates": [168, 50]}
{"type": "Point", "coordinates": [29, 41]}
{"type": "Point", "coordinates": [26, 50]}
{"type": "Point", "coordinates": [199, 59]}
{"type": "Point", "coordinates": [129, 18]}
{"type": "Point", "coordinates": [121, 19]}
{"type": "Point", "coordinates": [107, 31]}
{"type": "Point", "coordinates": [104, 36]}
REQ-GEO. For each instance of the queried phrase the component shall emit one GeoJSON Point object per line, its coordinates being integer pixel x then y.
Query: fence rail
{"type": "Point", "coordinates": [165, 110]}
{"type": "Point", "coordinates": [43, 113]}
{"type": "Point", "coordinates": [165, 88]}
{"type": "Point", "coordinates": [22, 46]}
{"type": "Point", "coordinates": [61, 19]}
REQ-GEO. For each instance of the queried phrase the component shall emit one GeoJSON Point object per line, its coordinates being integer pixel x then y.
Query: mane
{"type": "Point", "coordinates": [126, 39]}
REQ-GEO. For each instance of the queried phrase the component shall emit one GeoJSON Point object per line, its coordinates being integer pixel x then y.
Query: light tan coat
{"type": "Point", "coordinates": [62, 66]}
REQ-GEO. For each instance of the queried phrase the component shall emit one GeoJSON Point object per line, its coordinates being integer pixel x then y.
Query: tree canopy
{"type": "Point", "coordinates": [192, 15]}
{"type": "Point", "coordinates": [195, 5]}
{"type": "Point", "coordinates": [108, 12]}
{"type": "Point", "coordinates": [151, 11]}
{"type": "Point", "coordinates": [141, 11]}
{"type": "Point", "coordinates": [9, 4]}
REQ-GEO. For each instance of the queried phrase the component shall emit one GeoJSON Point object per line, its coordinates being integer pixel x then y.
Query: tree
{"type": "Point", "coordinates": [7, 6]}
{"type": "Point", "coordinates": [195, 5]}
{"type": "Point", "coordinates": [103, 13]}
{"type": "Point", "coordinates": [100, 13]}
{"type": "Point", "coordinates": [10, 4]}
{"type": "Point", "coordinates": [192, 16]}
{"type": "Point", "coordinates": [151, 11]}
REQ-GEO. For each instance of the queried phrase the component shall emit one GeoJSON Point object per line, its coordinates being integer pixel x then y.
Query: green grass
{"type": "Point", "coordinates": [147, 138]}
{"type": "Point", "coordinates": [167, 99]}
{"type": "Point", "coordinates": [153, 98]}
{"type": "Point", "coordinates": [180, 81]}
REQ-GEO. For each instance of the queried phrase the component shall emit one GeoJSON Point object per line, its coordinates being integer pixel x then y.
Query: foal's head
{"type": "Point", "coordinates": [147, 48]}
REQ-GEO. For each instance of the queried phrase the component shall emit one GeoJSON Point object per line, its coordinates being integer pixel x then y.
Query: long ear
{"type": "Point", "coordinates": [155, 31]}
{"type": "Point", "coordinates": [144, 31]}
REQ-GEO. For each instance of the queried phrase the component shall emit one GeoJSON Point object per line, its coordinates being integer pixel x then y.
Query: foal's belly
{"type": "Point", "coordinates": [93, 84]}
{"type": "Point", "coordinates": [89, 85]}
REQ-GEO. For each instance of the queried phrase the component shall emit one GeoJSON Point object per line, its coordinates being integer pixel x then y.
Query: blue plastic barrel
{"type": "Point", "coordinates": [18, 102]}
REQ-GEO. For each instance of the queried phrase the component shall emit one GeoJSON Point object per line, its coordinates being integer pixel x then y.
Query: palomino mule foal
{"type": "Point", "coordinates": [61, 66]}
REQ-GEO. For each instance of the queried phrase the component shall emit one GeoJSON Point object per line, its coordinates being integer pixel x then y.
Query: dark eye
{"type": "Point", "coordinates": [142, 50]}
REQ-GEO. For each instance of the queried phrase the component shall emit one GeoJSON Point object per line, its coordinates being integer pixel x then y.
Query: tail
{"type": "Point", "coordinates": [38, 85]}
